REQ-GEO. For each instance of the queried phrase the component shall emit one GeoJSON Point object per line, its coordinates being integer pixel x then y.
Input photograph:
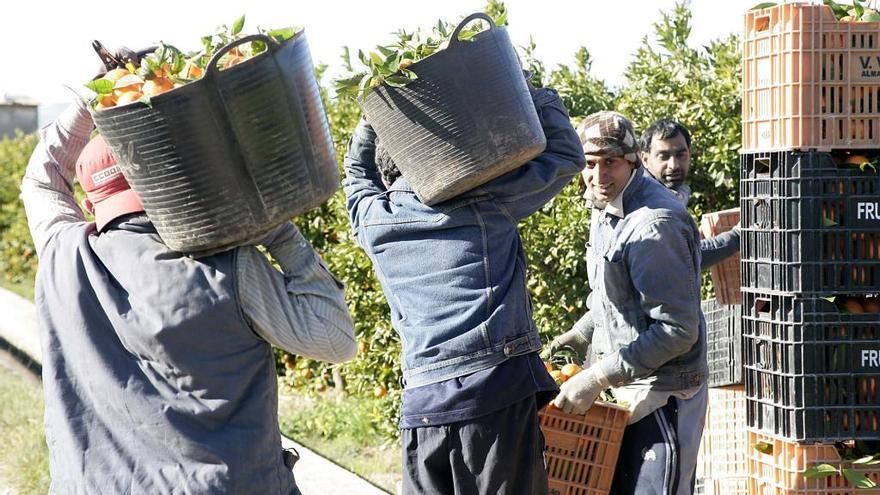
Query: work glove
{"type": "Point", "coordinates": [578, 394]}
{"type": "Point", "coordinates": [573, 339]}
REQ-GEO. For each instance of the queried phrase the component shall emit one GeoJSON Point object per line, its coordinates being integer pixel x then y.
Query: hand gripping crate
{"type": "Point", "coordinates": [777, 469]}
{"type": "Point", "coordinates": [812, 373]}
{"type": "Point", "coordinates": [723, 343]}
{"type": "Point", "coordinates": [809, 226]}
{"type": "Point", "coordinates": [809, 80]}
{"type": "Point", "coordinates": [581, 450]}
{"type": "Point", "coordinates": [723, 449]}
{"type": "Point", "coordinates": [726, 274]}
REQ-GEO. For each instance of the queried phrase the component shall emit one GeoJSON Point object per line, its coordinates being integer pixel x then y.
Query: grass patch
{"type": "Point", "coordinates": [24, 457]}
{"type": "Point", "coordinates": [345, 430]}
{"type": "Point", "coordinates": [24, 289]}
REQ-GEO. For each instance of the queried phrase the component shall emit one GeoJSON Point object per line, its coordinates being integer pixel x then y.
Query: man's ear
{"type": "Point", "coordinates": [89, 207]}
{"type": "Point", "coordinates": [644, 155]}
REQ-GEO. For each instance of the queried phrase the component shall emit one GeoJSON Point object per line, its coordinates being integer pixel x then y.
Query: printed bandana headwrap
{"type": "Point", "coordinates": [609, 133]}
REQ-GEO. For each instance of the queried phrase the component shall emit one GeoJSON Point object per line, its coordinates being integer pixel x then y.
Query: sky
{"type": "Point", "coordinates": [48, 42]}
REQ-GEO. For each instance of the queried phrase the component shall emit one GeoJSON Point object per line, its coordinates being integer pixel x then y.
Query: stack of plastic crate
{"type": "Point", "coordinates": [721, 466]}
{"type": "Point", "coordinates": [810, 217]}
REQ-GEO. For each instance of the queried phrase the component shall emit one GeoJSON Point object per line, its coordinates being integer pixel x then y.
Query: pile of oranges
{"type": "Point", "coordinates": [859, 305]}
{"type": "Point", "coordinates": [129, 86]}
{"type": "Point", "coordinates": [134, 88]}
{"type": "Point", "coordinates": [168, 68]}
{"type": "Point", "coordinates": [562, 375]}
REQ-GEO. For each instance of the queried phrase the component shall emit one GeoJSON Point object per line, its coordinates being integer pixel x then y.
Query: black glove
{"type": "Point", "coordinates": [119, 57]}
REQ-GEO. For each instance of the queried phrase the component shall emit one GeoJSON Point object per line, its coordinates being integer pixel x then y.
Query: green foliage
{"type": "Point", "coordinates": [24, 457]}
{"type": "Point", "coordinates": [348, 430]}
{"type": "Point", "coordinates": [18, 263]}
{"type": "Point", "coordinates": [581, 92]}
{"type": "Point", "coordinates": [389, 64]}
{"type": "Point", "coordinates": [858, 11]}
{"type": "Point", "coordinates": [701, 89]}
{"type": "Point", "coordinates": [555, 242]}
{"type": "Point", "coordinates": [327, 228]}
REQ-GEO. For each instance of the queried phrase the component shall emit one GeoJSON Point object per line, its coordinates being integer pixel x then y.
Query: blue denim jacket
{"type": "Point", "coordinates": [454, 274]}
{"type": "Point", "coordinates": [644, 271]}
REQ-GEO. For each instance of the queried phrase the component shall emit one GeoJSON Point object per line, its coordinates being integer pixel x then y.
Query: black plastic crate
{"type": "Point", "coordinates": [809, 226]}
{"type": "Point", "coordinates": [812, 372]}
{"type": "Point", "coordinates": [724, 343]}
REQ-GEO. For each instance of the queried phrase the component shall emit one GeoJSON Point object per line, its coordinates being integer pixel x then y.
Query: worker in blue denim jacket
{"type": "Point", "coordinates": [454, 275]}
{"type": "Point", "coordinates": [648, 340]}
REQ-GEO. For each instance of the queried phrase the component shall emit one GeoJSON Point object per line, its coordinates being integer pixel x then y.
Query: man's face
{"type": "Point", "coordinates": [669, 160]}
{"type": "Point", "coordinates": [606, 176]}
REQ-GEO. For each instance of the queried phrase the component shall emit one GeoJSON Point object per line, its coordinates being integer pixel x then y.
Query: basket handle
{"type": "Point", "coordinates": [454, 41]}
{"type": "Point", "coordinates": [271, 46]}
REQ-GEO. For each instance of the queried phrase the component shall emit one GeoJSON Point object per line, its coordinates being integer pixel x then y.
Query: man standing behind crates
{"type": "Point", "coordinates": [666, 152]}
{"type": "Point", "coordinates": [648, 339]}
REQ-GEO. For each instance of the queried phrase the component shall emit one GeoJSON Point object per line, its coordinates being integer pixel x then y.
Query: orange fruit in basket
{"type": "Point", "coordinates": [116, 74]}
{"type": "Point", "coordinates": [192, 71]}
{"type": "Point", "coordinates": [164, 70]}
{"type": "Point", "coordinates": [129, 97]}
{"type": "Point", "coordinates": [548, 366]}
{"type": "Point", "coordinates": [107, 101]}
{"type": "Point", "coordinates": [233, 60]}
{"type": "Point", "coordinates": [131, 88]}
{"type": "Point", "coordinates": [570, 369]}
{"type": "Point", "coordinates": [558, 377]}
{"type": "Point", "coordinates": [157, 86]}
{"type": "Point", "coordinates": [857, 160]}
{"type": "Point", "coordinates": [853, 306]}
{"type": "Point", "coordinates": [872, 305]}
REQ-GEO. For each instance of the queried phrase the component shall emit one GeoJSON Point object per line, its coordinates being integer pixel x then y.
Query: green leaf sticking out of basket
{"type": "Point", "coordinates": [389, 64]}
{"type": "Point", "coordinates": [763, 5]}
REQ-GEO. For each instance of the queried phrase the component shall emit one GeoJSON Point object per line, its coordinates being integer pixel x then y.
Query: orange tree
{"type": "Point", "coordinates": [18, 263]}
{"type": "Point", "coordinates": [701, 89]}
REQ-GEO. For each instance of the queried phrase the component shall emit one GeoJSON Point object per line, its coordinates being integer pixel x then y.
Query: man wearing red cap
{"type": "Point", "coordinates": [158, 370]}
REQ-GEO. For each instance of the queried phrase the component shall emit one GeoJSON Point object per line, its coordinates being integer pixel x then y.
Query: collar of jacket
{"type": "Point", "coordinates": [401, 184]}
{"type": "Point", "coordinates": [631, 188]}
{"type": "Point", "coordinates": [134, 222]}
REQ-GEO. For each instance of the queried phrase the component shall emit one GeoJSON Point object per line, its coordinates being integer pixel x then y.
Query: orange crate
{"type": "Point", "coordinates": [724, 486]}
{"type": "Point", "coordinates": [725, 275]}
{"type": "Point", "coordinates": [724, 446]}
{"type": "Point", "coordinates": [809, 80]}
{"type": "Point", "coordinates": [581, 450]}
{"type": "Point", "coordinates": [779, 472]}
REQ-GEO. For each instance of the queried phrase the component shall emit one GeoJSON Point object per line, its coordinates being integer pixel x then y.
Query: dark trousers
{"type": "Point", "coordinates": [500, 453]}
{"type": "Point", "coordinates": [649, 455]}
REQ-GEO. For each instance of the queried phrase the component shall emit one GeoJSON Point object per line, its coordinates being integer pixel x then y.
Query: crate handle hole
{"type": "Point", "coordinates": [762, 307]}
{"type": "Point", "coordinates": [763, 167]}
{"type": "Point", "coordinates": [762, 23]}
